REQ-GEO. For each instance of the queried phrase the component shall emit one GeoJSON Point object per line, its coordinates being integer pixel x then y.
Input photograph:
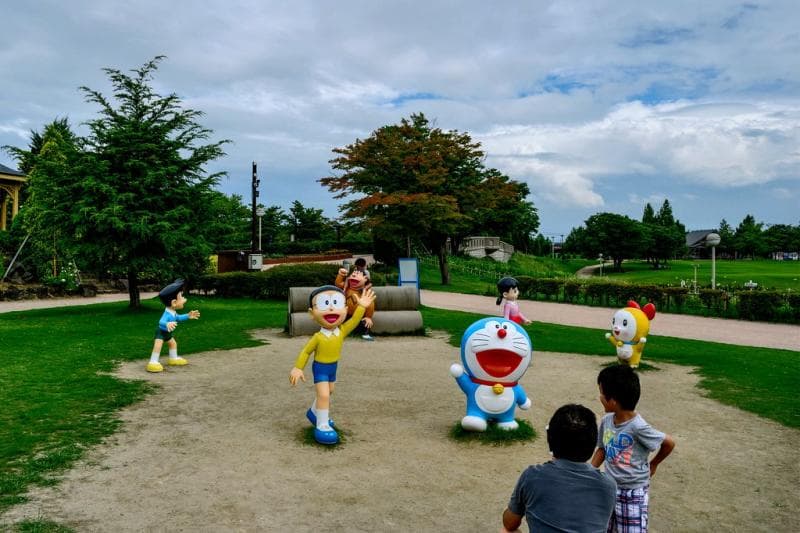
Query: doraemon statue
{"type": "Point", "coordinates": [495, 353]}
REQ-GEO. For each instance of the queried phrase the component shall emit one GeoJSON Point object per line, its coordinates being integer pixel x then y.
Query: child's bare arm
{"type": "Point", "coordinates": [511, 521]}
{"type": "Point", "coordinates": [598, 457]}
{"type": "Point", "coordinates": [666, 448]}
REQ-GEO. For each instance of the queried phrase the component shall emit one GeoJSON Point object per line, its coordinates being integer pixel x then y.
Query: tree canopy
{"type": "Point", "coordinates": [131, 197]}
{"type": "Point", "coordinates": [413, 181]}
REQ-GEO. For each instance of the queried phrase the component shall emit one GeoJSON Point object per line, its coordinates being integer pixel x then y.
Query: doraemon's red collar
{"type": "Point", "coordinates": [491, 383]}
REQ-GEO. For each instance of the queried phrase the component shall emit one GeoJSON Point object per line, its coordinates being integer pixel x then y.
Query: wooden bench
{"type": "Point", "coordinates": [396, 311]}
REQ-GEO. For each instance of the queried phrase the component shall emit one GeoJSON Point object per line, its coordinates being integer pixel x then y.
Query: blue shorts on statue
{"type": "Point", "coordinates": [324, 372]}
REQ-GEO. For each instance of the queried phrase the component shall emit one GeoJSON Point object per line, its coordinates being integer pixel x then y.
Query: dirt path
{"type": "Point", "coordinates": [217, 449]}
{"type": "Point", "coordinates": [742, 332]}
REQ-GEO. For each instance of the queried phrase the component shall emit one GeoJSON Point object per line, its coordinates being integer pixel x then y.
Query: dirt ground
{"type": "Point", "coordinates": [219, 448]}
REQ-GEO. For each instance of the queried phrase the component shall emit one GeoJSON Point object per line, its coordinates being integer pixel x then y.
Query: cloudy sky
{"type": "Point", "coordinates": [598, 106]}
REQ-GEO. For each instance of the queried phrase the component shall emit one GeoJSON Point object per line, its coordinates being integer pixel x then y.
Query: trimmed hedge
{"type": "Point", "coordinates": [275, 282]}
{"type": "Point", "coordinates": [749, 305]}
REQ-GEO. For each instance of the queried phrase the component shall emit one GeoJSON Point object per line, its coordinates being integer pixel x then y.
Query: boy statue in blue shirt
{"type": "Point", "coordinates": [172, 297]}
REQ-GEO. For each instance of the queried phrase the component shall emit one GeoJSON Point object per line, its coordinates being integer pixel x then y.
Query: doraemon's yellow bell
{"type": "Point", "coordinates": [498, 388]}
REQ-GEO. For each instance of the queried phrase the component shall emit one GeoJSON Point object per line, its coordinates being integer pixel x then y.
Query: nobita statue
{"type": "Point", "coordinates": [495, 353]}
{"type": "Point", "coordinates": [172, 297]}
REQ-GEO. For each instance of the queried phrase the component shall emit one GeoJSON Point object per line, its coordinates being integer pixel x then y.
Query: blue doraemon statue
{"type": "Point", "coordinates": [495, 353]}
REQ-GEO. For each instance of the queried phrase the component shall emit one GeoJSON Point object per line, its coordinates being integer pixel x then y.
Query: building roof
{"type": "Point", "coordinates": [10, 171]}
{"type": "Point", "coordinates": [697, 238]}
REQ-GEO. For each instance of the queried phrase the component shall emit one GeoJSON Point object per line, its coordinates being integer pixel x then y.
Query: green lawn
{"type": "Point", "coordinates": [56, 394]}
{"type": "Point", "coordinates": [58, 398]}
{"type": "Point", "coordinates": [730, 274]}
{"type": "Point", "coordinates": [759, 380]}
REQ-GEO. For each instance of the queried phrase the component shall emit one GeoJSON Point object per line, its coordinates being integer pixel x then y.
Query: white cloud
{"type": "Point", "coordinates": [699, 145]}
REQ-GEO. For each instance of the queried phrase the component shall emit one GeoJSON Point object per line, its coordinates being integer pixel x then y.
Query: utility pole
{"type": "Point", "coordinates": [255, 246]}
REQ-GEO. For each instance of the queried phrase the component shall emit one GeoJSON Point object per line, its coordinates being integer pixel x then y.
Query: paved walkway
{"type": "Point", "coordinates": [25, 305]}
{"type": "Point", "coordinates": [741, 332]}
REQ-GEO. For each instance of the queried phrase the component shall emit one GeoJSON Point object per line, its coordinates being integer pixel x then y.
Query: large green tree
{"type": "Point", "coordinates": [615, 236]}
{"type": "Point", "coordinates": [228, 220]}
{"type": "Point", "coordinates": [664, 237]}
{"type": "Point", "coordinates": [307, 223]}
{"type": "Point", "coordinates": [413, 181]}
{"type": "Point", "coordinates": [132, 199]}
{"type": "Point", "coordinates": [54, 163]}
{"type": "Point", "coordinates": [749, 238]}
{"type": "Point", "coordinates": [726, 240]}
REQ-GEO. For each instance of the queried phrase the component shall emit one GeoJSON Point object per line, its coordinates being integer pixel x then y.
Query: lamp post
{"type": "Point", "coordinates": [694, 266]}
{"type": "Point", "coordinates": [600, 257]}
{"type": "Point", "coordinates": [712, 240]}
{"type": "Point", "coordinates": [259, 213]}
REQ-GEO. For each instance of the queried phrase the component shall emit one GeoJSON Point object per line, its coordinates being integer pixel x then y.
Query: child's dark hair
{"type": "Point", "coordinates": [505, 285]}
{"type": "Point", "coordinates": [621, 383]}
{"type": "Point", "coordinates": [318, 290]}
{"type": "Point", "coordinates": [361, 262]}
{"type": "Point", "coordinates": [572, 433]}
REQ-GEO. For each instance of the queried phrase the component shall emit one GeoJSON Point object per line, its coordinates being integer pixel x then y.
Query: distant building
{"type": "Point", "coordinates": [11, 182]}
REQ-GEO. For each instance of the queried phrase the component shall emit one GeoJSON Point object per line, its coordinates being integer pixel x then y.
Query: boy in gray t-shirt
{"type": "Point", "coordinates": [624, 444]}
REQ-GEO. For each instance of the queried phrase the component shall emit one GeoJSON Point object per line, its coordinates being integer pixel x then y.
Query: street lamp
{"type": "Point", "coordinates": [712, 240]}
{"type": "Point", "coordinates": [259, 213]}
{"type": "Point", "coordinates": [600, 257]}
{"type": "Point", "coordinates": [694, 266]}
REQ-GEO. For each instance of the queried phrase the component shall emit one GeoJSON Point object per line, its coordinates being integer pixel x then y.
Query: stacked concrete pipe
{"type": "Point", "coordinates": [396, 311]}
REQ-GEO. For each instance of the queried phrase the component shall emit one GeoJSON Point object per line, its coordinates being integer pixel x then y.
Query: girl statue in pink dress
{"type": "Point", "coordinates": [509, 292]}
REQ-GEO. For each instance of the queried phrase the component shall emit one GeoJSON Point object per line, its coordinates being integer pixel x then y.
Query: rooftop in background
{"type": "Point", "coordinates": [10, 171]}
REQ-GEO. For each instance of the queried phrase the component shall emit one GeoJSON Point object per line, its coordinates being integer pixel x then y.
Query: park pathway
{"type": "Point", "coordinates": [741, 332]}
{"type": "Point", "coordinates": [26, 305]}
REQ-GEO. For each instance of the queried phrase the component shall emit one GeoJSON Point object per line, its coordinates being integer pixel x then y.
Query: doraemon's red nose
{"type": "Point", "coordinates": [501, 333]}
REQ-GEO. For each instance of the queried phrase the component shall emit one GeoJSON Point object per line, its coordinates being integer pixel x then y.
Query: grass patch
{"type": "Point", "coordinates": [57, 394]}
{"type": "Point", "coordinates": [763, 381]}
{"type": "Point", "coordinates": [40, 526]}
{"type": "Point", "coordinates": [494, 435]}
{"type": "Point", "coordinates": [306, 437]}
{"type": "Point", "coordinates": [730, 274]}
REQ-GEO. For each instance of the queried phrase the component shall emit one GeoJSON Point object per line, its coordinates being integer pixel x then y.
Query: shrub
{"type": "Point", "coordinates": [272, 283]}
{"type": "Point", "coordinates": [572, 290]}
{"type": "Point", "coordinates": [711, 298]}
{"type": "Point", "coordinates": [760, 305]}
{"type": "Point", "coordinates": [549, 287]}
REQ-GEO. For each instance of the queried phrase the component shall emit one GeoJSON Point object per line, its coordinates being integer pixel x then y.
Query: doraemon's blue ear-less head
{"type": "Point", "coordinates": [496, 349]}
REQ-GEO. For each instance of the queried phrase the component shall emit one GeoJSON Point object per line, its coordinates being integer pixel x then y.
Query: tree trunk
{"type": "Point", "coordinates": [443, 268]}
{"type": "Point", "coordinates": [133, 289]}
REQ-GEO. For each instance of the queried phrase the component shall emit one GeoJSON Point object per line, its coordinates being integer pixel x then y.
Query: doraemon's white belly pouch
{"type": "Point", "coordinates": [493, 403]}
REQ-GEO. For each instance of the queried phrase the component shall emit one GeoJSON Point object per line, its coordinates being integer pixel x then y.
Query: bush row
{"type": "Point", "coordinates": [275, 282]}
{"type": "Point", "coordinates": [770, 306]}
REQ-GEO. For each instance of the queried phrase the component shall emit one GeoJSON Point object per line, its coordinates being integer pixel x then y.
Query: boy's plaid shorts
{"type": "Point", "coordinates": [630, 511]}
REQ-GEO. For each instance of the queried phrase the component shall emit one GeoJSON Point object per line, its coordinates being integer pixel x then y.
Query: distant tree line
{"type": "Point", "coordinates": [659, 237]}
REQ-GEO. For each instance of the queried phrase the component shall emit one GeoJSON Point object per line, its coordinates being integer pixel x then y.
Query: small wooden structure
{"type": "Point", "coordinates": [11, 182]}
{"type": "Point", "coordinates": [487, 247]}
{"type": "Point", "coordinates": [396, 311]}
